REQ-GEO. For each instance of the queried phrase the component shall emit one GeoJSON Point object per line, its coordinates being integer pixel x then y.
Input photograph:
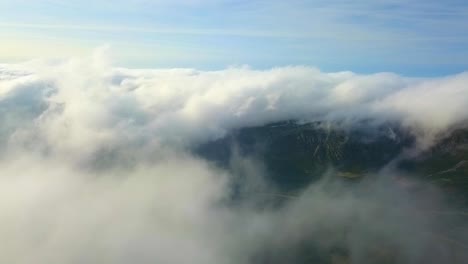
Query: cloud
{"type": "Point", "coordinates": [96, 167]}
{"type": "Point", "coordinates": [88, 102]}
{"type": "Point", "coordinates": [56, 214]}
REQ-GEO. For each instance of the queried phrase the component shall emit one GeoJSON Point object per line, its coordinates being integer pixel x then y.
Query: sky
{"type": "Point", "coordinates": [416, 38]}
{"type": "Point", "coordinates": [98, 161]}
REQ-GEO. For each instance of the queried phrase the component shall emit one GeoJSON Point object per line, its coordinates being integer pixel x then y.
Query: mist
{"type": "Point", "coordinates": [96, 166]}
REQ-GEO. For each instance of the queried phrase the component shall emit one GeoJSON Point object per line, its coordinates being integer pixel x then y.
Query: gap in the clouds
{"type": "Point", "coordinates": [294, 155]}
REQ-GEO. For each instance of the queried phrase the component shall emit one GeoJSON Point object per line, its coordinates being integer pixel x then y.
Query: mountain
{"type": "Point", "coordinates": [296, 154]}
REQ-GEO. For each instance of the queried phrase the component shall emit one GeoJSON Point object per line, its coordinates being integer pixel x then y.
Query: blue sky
{"type": "Point", "coordinates": [407, 37]}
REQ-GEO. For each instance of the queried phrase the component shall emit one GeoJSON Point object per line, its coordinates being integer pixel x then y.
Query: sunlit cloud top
{"type": "Point", "coordinates": [409, 37]}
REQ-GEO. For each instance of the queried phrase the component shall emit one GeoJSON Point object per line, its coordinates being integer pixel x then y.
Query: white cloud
{"type": "Point", "coordinates": [89, 103]}
{"type": "Point", "coordinates": [155, 202]}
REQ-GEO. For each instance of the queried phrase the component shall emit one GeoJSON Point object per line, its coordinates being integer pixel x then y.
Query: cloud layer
{"type": "Point", "coordinates": [95, 167]}
{"type": "Point", "coordinates": [85, 101]}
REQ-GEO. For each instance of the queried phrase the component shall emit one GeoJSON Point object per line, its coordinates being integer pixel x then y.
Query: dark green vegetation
{"type": "Point", "coordinates": [297, 154]}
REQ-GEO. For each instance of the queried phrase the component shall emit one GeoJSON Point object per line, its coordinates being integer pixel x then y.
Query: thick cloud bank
{"type": "Point", "coordinates": [95, 166]}
{"type": "Point", "coordinates": [86, 102]}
